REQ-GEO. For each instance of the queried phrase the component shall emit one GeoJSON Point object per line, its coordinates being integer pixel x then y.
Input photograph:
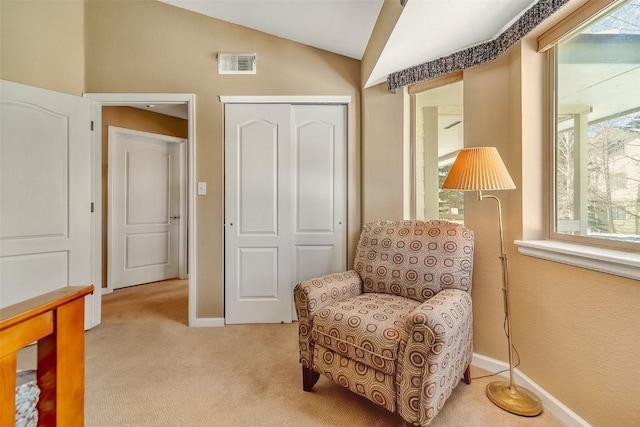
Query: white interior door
{"type": "Point", "coordinates": [284, 204]}
{"type": "Point", "coordinates": [45, 194]}
{"type": "Point", "coordinates": [257, 214]}
{"type": "Point", "coordinates": [319, 227]}
{"type": "Point", "coordinates": [146, 207]}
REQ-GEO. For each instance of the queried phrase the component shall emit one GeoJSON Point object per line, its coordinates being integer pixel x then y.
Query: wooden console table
{"type": "Point", "coordinates": [56, 321]}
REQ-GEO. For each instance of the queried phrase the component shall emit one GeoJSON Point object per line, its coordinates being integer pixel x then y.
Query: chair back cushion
{"type": "Point", "coordinates": [414, 259]}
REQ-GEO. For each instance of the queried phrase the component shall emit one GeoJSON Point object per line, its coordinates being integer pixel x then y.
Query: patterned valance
{"type": "Point", "coordinates": [477, 54]}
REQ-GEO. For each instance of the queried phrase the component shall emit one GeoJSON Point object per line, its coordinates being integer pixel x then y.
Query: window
{"type": "Point", "coordinates": [619, 181]}
{"type": "Point", "coordinates": [597, 131]}
{"type": "Point", "coordinates": [438, 136]}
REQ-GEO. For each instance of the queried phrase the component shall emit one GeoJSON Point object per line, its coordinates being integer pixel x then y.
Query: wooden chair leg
{"type": "Point", "coordinates": [467, 375]}
{"type": "Point", "coordinates": [309, 378]}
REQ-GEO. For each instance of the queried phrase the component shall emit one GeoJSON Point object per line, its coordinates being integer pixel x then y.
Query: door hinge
{"type": "Point", "coordinates": [92, 129]}
{"type": "Point", "coordinates": [91, 207]}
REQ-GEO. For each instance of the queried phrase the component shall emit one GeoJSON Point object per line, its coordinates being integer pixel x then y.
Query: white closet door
{"type": "Point", "coordinates": [319, 170]}
{"type": "Point", "coordinates": [257, 214]}
{"type": "Point", "coordinates": [285, 202]}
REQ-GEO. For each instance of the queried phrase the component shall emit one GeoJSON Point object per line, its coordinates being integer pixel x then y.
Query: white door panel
{"type": "Point", "coordinates": [320, 189]}
{"type": "Point", "coordinates": [36, 206]}
{"type": "Point", "coordinates": [257, 214]}
{"type": "Point", "coordinates": [39, 272]}
{"type": "Point", "coordinates": [147, 249]}
{"type": "Point", "coordinates": [257, 178]}
{"type": "Point", "coordinates": [314, 261]}
{"type": "Point", "coordinates": [285, 203]}
{"type": "Point", "coordinates": [45, 193]}
{"type": "Point", "coordinates": [315, 164]}
{"type": "Point", "coordinates": [258, 278]}
{"type": "Point", "coordinates": [145, 177]}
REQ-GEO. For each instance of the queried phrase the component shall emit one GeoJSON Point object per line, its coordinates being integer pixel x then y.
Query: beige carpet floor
{"type": "Point", "coordinates": [146, 367]}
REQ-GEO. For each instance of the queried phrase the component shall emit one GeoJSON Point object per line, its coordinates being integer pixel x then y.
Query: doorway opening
{"type": "Point", "coordinates": [170, 104]}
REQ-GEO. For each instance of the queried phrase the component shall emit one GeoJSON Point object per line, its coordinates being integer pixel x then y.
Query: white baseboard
{"type": "Point", "coordinates": [208, 322]}
{"type": "Point", "coordinates": [549, 403]}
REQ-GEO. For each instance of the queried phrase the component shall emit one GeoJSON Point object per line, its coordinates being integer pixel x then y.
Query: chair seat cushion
{"type": "Point", "coordinates": [367, 328]}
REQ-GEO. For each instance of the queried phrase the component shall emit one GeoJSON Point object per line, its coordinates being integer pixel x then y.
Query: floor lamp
{"type": "Point", "coordinates": [479, 169]}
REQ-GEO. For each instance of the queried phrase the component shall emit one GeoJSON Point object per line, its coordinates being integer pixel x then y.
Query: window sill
{"type": "Point", "coordinates": [619, 263]}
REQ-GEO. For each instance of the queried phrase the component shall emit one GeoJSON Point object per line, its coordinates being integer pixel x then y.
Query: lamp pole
{"type": "Point", "coordinates": [477, 169]}
{"type": "Point", "coordinates": [505, 281]}
{"type": "Point", "coordinates": [508, 396]}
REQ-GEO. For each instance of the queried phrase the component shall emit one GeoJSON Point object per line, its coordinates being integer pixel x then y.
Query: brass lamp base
{"type": "Point", "coordinates": [516, 400]}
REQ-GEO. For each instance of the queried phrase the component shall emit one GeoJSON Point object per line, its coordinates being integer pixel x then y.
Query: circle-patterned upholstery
{"type": "Point", "coordinates": [312, 295]}
{"type": "Point", "coordinates": [398, 328]}
{"type": "Point", "coordinates": [414, 259]}
{"type": "Point", "coordinates": [367, 328]}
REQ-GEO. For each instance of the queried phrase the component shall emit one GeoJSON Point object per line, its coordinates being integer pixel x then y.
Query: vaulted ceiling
{"type": "Point", "coordinates": [426, 29]}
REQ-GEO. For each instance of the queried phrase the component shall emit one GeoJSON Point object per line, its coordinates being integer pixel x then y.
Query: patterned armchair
{"type": "Point", "coordinates": [398, 328]}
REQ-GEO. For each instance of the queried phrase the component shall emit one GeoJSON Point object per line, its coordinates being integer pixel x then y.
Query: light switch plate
{"type": "Point", "coordinates": [202, 188]}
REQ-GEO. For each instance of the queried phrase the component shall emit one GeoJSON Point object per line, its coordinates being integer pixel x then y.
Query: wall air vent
{"type": "Point", "coordinates": [236, 63]}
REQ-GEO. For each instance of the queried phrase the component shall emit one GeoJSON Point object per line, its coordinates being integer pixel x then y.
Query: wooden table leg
{"type": "Point", "coordinates": [8, 366]}
{"type": "Point", "coordinates": [61, 369]}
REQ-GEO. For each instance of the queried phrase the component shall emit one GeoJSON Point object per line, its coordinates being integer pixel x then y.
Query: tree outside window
{"type": "Point", "coordinates": [597, 144]}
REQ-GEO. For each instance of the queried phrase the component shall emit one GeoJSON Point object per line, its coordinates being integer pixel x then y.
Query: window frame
{"type": "Point", "coordinates": [413, 91]}
{"type": "Point", "coordinates": [546, 246]}
{"type": "Point", "coordinates": [552, 76]}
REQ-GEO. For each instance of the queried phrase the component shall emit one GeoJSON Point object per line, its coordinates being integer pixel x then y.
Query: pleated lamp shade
{"type": "Point", "coordinates": [478, 168]}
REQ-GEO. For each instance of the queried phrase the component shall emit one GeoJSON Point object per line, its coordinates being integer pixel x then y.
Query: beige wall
{"type": "Point", "coordinates": [136, 119]}
{"type": "Point", "coordinates": [487, 123]}
{"type": "Point", "coordinates": [148, 46]}
{"type": "Point", "coordinates": [384, 131]}
{"type": "Point", "coordinates": [389, 14]}
{"type": "Point", "coordinates": [576, 330]}
{"type": "Point", "coordinates": [42, 44]}
{"type": "Point", "coordinates": [383, 155]}
{"type": "Point", "coordinates": [152, 47]}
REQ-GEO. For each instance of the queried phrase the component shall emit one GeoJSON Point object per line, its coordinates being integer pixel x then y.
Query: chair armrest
{"type": "Point", "coordinates": [438, 350]}
{"type": "Point", "coordinates": [312, 295]}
